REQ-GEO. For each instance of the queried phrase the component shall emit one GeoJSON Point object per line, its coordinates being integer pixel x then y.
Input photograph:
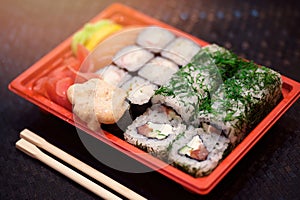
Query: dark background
{"type": "Point", "coordinates": [264, 31]}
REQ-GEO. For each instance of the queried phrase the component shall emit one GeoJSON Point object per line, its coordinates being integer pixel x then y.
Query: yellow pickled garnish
{"type": "Point", "coordinates": [101, 34]}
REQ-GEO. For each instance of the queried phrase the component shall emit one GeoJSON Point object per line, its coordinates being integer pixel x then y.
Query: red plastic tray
{"type": "Point", "coordinates": [126, 16]}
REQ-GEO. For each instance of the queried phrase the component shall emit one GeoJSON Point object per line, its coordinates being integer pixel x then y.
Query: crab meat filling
{"type": "Point", "coordinates": [155, 130]}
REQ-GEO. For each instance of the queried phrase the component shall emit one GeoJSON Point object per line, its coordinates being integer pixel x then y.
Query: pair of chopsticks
{"type": "Point", "coordinates": [29, 144]}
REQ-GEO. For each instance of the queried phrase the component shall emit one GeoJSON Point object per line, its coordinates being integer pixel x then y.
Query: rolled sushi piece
{"type": "Point", "coordinates": [188, 91]}
{"type": "Point", "coordinates": [132, 57]}
{"type": "Point", "coordinates": [158, 70]}
{"type": "Point", "coordinates": [242, 102]}
{"type": "Point", "coordinates": [196, 91]}
{"type": "Point", "coordinates": [155, 38]}
{"type": "Point", "coordinates": [139, 91]}
{"type": "Point", "coordinates": [113, 75]}
{"type": "Point", "coordinates": [227, 63]}
{"type": "Point", "coordinates": [197, 152]}
{"type": "Point", "coordinates": [155, 130]}
{"type": "Point", "coordinates": [181, 50]}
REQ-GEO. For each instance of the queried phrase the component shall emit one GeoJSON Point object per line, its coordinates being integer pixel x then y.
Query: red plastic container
{"type": "Point", "coordinates": [126, 16]}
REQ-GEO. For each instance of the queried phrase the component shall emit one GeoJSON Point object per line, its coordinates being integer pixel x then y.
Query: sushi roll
{"type": "Point", "coordinates": [154, 38]}
{"type": "Point", "coordinates": [189, 89]}
{"type": "Point", "coordinates": [221, 92]}
{"type": "Point", "coordinates": [242, 102]}
{"type": "Point", "coordinates": [132, 58]}
{"type": "Point", "coordinates": [218, 98]}
{"type": "Point", "coordinates": [225, 62]}
{"type": "Point", "coordinates": [198, 152]}
{"type": "Point", "coordinates": [181, 50]}
{"type": "Point", "coordinates": [113, 75]}
{"type": "Point", "coordinates": [155, 130]}
{"type": "Point", "coordinates": [139, 91]}
{"type": "Point", "coordinates": [159, 70]}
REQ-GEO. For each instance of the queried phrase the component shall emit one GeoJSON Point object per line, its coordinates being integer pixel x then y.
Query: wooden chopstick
{"type": "Point", "coordinates": [42, 143]}
{"type": "Point", "coordinates": [31, 150]}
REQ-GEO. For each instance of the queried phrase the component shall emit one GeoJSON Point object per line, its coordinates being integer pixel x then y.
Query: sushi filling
{"type": "Point", "coordinates": [113, 75]}
{"type": "Point", "coordinates": [195, 149]}
{"type": "Point", "coordinates": [155, 130]}
{"type": "Point", "coordinates": [139, 91]}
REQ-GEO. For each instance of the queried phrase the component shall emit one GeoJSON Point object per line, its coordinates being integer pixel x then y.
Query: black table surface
{"type": "Point", "coordinates": [266, 32]}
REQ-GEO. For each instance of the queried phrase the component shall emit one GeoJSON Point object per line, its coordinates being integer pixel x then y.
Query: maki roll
{"type": "Point", "coordinates": [113, 75]}
{"type": "Point", "coordinates": [242, 102]}
{"type": "Point", "coordinates": [155, 130]}
{"type": "Point", "coordinates": [221, 93]}
{"type": "Point", "coordinates": [181, 50]}
{"type": "Point", "coordinates": [154, 38]}
{"type": "Point", "coordinates": [139, 91]}
{"type": "Point", "coordinates": [197, 152]}
{"type": "Point", "coordinates": [189, 89]}
{"type": "Point", "coordinates": [132, 58]}
{"type": "Point", "coordinates": [201, 109]}
{"type": "Point", "coordinates": [159, 70]}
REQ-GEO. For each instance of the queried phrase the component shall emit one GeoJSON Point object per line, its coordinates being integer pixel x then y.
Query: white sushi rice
{"type": "Point", "coordinates": [113, 75]}
{"type": "Point", "coordinates": [182, 104]}
{"type": "Point", "coordinates": [155, 38]}
{"type": "Point", "coordinates": [159, 70]}
{"type": "Point", "coordinates": [181, 50]}
{"type": "Point", "coordinates": [139, 91]}
{"type": "Point", "coordinates": [132, 57]}
{"type": "Point", "coordinates": [215, 144]}
{"type": "Point", "coordinates": [155, 114]}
